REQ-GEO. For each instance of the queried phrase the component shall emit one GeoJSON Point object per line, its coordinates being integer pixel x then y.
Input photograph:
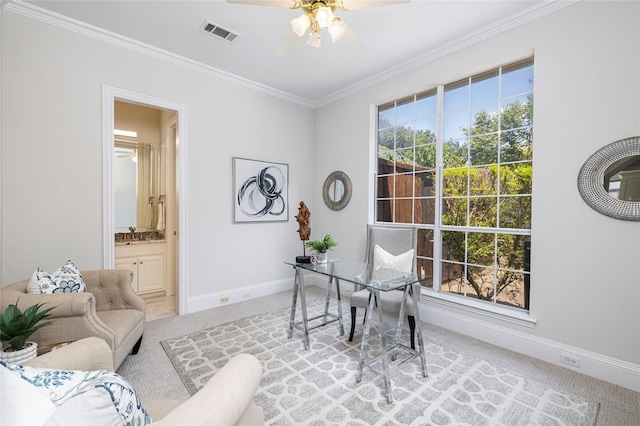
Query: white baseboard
{"type": "Point", "coordinates": [214, 300]}
{"type": "Point", "coordinates": [592, 364]}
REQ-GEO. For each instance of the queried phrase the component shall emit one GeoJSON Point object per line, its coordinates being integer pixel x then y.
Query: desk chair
{"type": "Point", "coordinates": [395, 240]}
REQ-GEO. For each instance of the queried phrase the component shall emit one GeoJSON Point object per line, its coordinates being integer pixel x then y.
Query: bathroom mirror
{"type": "Point", "coordinates": [609, 181]}
{"type": "Point", "coordinates": [336, 190]}
{"type": "Point", "coordinates": [136, 186]}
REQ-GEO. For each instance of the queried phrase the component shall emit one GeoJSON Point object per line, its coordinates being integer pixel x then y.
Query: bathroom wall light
{"type": "Point", "coordinates": [128, 133]}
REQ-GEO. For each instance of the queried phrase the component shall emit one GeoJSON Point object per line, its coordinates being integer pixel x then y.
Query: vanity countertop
{"type": "Point", "coordinates": [139, 242]}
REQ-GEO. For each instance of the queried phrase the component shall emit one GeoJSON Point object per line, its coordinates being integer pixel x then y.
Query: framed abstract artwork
{"type": "Point", "coordinates": [260, 191]}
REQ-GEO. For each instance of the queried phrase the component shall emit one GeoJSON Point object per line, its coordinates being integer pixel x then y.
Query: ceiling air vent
{"type": "Point", "coordinates": [218, 31]}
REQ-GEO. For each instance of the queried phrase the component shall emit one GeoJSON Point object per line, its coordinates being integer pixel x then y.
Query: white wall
{"type": "Point", "coordinates": [585, 292]}
{"type": "Point", "coordinates": [52, 82]}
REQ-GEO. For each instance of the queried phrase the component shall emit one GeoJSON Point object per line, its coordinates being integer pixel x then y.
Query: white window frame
{"type": "Point", "coordinates": [434, 295]}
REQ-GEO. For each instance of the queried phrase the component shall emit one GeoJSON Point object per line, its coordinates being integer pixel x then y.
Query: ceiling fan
{"type": "Point", "coordinates": [319, 14]}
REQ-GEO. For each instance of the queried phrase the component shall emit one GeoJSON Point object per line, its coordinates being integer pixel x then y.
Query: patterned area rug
{"type": "Point", "coordinates": [318, 386]}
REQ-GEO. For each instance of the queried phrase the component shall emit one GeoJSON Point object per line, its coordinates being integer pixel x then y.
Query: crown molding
{"type": "Point", "coordinates": [530, 14]}
{"type": "Point", "coordinates": [534, 12]}
{"type": "Point", "coordinates": [43, 15]}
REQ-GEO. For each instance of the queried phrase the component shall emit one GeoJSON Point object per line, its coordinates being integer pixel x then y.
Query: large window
{"type": "Point", "coordinates": [456, 162]}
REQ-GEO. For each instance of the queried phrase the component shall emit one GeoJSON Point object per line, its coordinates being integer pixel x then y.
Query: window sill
{"type": "Point", "coordinates": [502, 313]}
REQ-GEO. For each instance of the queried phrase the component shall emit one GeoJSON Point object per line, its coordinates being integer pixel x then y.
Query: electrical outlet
{"type": "Point", "coordinates": [570, 360]}
{"type": "Point", "coordinates": [224, 299]}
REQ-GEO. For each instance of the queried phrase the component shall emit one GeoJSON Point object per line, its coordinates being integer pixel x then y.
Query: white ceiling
{"type": "Point", "coordinates": [397, 37]}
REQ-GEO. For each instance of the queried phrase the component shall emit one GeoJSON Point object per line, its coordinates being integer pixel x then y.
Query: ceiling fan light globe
{"type": "Point", "coordinates": [337, 29]}
{"type": "Point", "coordinates": [324, 16]}
{"type": "Point", "coordinates": [314, 40]}
{"type": "Point", "coordinates": [300, 25]}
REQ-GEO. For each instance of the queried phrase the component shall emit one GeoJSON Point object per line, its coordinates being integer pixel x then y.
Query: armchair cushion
{"type": "Point", "coordinates": [90, 353]}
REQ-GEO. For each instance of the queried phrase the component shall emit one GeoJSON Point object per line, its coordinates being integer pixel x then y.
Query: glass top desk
{"type": "Point", "coordinates": [376, 280]}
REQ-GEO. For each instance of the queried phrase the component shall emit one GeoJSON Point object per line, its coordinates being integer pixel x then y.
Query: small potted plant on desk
{"type": "Point", "coordinates": [16, 327]}
{"type": "Point", "coordinates": [321, 247]}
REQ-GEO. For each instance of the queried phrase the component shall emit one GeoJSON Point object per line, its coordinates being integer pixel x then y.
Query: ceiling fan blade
{"type": "Point", "coordinates": [352, 43]}
{"type": "Point", "coordinates": [370, 22]}
{"type": "Point", "coordinates": [361, 4]}
{"type": "Point", "coordinates": [289, 43]}
{"type": "Point", "coordinates": [272, 3]}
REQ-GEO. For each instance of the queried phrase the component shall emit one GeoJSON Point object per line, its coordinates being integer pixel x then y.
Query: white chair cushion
{"type": "Point", "coordinates": [390, 300]}
{"type": "Point", "coordinates": [402, 262]}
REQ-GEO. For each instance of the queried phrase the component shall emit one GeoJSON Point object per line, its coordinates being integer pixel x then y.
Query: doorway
{"type": "Point", "coordinates": [173, 135]}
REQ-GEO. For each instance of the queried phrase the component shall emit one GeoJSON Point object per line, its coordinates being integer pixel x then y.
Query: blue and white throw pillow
{"type": "Point", "coordinates": [86, 397]}
{"type": "Point", "coordinates": [21, 403]}
{"type": "Point", "coordinates": [66, 279]}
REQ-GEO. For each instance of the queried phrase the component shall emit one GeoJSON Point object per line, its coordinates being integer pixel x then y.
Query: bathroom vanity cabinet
{"type": "Point", "coordinates": [147, 261]}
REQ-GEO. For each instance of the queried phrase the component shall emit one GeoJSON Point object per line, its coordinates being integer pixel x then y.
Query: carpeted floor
{"type": "Point", "coordinates": [153, 375]}
{"type": "Point", "coordinates": [317, 386]}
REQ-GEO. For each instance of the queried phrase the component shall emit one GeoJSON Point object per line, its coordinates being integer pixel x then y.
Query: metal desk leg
{"type": "Point", "coordinates": [327, 299]}
{"type": "Point", "coordinates": [383, 347]}
{"type": "Point", "coordinates": [294, 299]}
{"type": "Point", "coordinates": [365, 341]}
{"type": "Point", "coordinates": [415, 295]}
{"type": "Point", "coordinates": [339, 307]}
{"type": "Point", "coordinates": [403, 305]}
{"type": "Point", "coordinates": [303, 309]}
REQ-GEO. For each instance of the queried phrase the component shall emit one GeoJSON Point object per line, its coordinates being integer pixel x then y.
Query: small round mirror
{"type": "Point", "coordinates": [609, 181]}
{"type": "Point", "coordinates": [337, 190]}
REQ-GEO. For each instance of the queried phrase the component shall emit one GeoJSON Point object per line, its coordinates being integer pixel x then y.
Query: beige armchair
{"type": "Point", "coordinates": [109, 309]}
{"type": "Point", "coordinates": [226, 399]}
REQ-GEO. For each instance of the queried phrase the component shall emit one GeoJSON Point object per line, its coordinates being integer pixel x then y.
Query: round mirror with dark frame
{"type": "Point", "coordinates": [336, 190]}
{"type": "Point", "coordinates": [609, 181]}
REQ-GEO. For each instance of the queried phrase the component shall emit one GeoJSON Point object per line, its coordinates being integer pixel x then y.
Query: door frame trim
{"type": "Point", "coordinates": [109, 96]}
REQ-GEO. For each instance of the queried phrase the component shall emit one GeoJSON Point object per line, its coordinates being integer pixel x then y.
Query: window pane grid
{"type": "Point", "coordinates": [484, 129]}
{"type": "Point", "coordinates": [477, 273]}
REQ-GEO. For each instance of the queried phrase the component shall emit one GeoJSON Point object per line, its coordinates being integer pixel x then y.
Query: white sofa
{"type": "Point", "coordinates": [226, 399]}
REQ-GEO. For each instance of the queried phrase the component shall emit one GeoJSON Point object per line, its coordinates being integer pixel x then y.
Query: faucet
{"type": "Point", "coordinates": [133, 232]}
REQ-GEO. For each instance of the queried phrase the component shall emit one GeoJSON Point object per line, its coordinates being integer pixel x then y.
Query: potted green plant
{"type": "Point", "coordinates": [16, 327]}
{"type": "Point", "coordinates": [321, 247]}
